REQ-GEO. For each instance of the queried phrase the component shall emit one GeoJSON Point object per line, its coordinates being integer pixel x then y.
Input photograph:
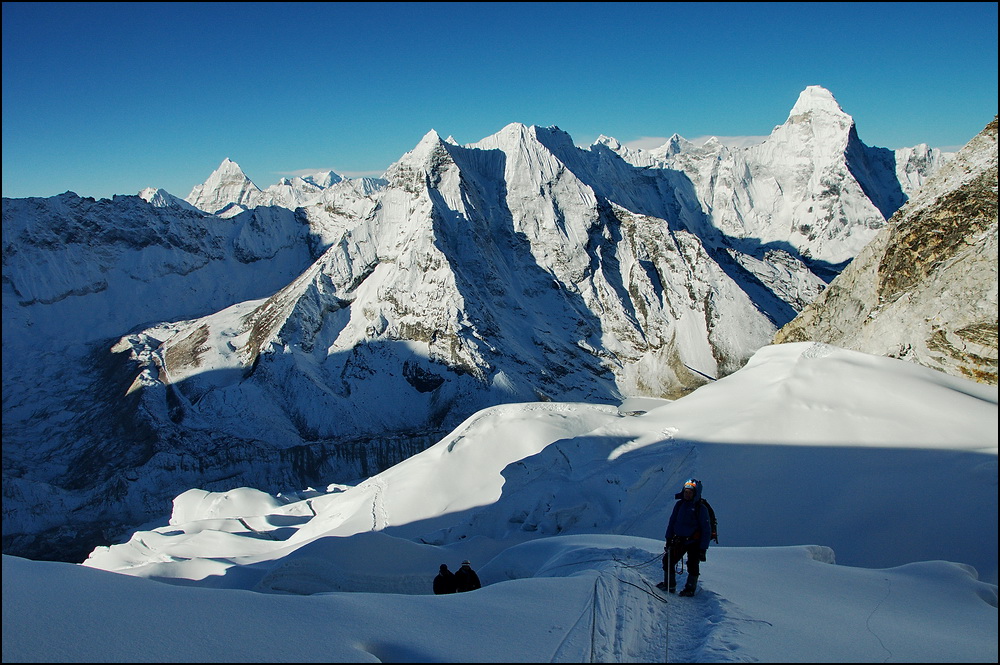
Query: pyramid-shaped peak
{"type": "Point", "coordinates": [161, 198]}
{"type": "Point", "coordinates": [229, 172]}
{"type": "Point", "coordinates": [431, 137]}
{"type": "Point", "coordinates": [323, 179]}
{"type": "Point", "coordinates": [227, 184]}
{"type": "Point", "coordinates": [228, 166]}
{"type": "Point", "coordinates": [425, 154]}
{"type": "Point", "coordinates": [428, 145]}
{"type": "Point", "coordinates": [816, 98]}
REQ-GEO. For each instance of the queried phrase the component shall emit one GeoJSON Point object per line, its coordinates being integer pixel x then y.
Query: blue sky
{"type": "Point", "coordinates": [109, 98]}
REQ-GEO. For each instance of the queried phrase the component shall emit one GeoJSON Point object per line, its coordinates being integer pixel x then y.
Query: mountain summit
{"type": "Point", "coordinates": [817, 99]}
{"type": "Point", "coordinates": [228, 185]}
{"type": "Point", "coordinates": [150, 348]}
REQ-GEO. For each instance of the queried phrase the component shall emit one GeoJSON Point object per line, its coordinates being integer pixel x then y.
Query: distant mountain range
{"type": "Point", "coordinates": [153, 344]}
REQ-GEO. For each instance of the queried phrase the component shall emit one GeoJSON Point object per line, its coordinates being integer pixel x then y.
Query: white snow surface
{"type": "Point", "coordinates": [857, 504]}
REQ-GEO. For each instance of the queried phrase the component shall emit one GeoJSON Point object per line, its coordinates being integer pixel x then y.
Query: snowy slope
{"type": "Point", "coordinates": [842, 538]}
{"type": "Point", "coordinates": [803, 418]}
{"type": "Point", "coordinates": [572, 599]}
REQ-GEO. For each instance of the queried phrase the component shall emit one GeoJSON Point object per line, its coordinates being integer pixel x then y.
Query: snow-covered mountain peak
{"type": "Point", "coordinates": [811, 187]}
{"type": "Point", "coordinates": [228, 191]}
{"type": "Point", "coordinates": [513, 129]}
{"type": "Point", "coordinates": [816, 122]}
{"type": "Point", "coordinates": [323, 179]}
{"type": "Point", "coordinates": [925, 288]}
{"type": "Point", "coordinates": [816, 127]}
{"type": "Point", "coordinates": [979, 155]}
{"type": "Point", "coordinates": [429, 154]}
{"type": "Point", "coordinates": [817, 99]}
{"type": "Point", "coordinates": [430, 141]}
{"type": "Point", "coordinates": [431, 144]}
{"type": "Point", "coordinates": [161, 198]}
{"type": "Point", "coordinates": [609, 141]}
{"type": "Point", "coordinates": [228, 172]}
{"type": "Point", "coordinates": [712, 144]}
{"type": "Point", "coordinates": [229, 166]}
{"type": "Point", "coordinates": [553, 137]}
{"type": "Point", "coordinates": [517, 139]}
{"type": "Point", "coordinates": [510, 136]}
{"type": "Point", "coordinates": [228, 184]}
{"type": "Point", "coordinates": [675, 145]}
{"type": "Point", "coordinates": [517, 133]}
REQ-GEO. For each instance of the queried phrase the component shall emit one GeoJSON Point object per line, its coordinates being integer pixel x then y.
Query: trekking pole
{"type": "Point", "coordinates": [666, 637]}
{"type": "Point", "coordinates": [667, 571]}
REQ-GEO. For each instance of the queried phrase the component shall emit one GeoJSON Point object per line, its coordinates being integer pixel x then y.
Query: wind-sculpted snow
{"type": "Point", "coordinates": [764, 605]}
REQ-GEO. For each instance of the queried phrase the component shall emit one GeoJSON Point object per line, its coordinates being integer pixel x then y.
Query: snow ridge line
{"type": "Point", "coordinates": [530, 407]}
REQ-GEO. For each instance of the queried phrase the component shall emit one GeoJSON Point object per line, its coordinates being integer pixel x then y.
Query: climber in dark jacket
{"type": "Point", "coordinates": [688, 532]}
{"type": "Point", "coordinates": [466, 578]}
{"type": "Point", "coordinates": [444, 582]}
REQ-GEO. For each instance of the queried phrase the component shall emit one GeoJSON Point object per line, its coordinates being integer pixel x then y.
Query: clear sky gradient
{"type": "Point", "coordinates": [110, 98]}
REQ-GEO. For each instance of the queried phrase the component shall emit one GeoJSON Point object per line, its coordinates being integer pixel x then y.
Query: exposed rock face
{"type": "Point", "coordinates": [925, 288]}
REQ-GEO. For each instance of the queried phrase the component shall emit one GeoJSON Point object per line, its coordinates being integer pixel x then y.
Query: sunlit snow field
{"type": "Point", "coordinates": [857, 501]}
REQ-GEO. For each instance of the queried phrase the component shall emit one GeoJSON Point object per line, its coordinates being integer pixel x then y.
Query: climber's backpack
{"type": "Point", "coordinates": [711, 518]}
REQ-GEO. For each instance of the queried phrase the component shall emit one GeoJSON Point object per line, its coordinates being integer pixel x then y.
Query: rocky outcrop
{"type": "Point", "coordinates": [925, 288]}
